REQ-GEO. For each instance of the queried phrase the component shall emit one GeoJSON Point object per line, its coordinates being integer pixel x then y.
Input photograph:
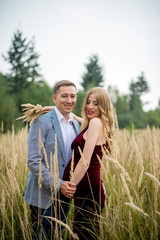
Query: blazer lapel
{"type": "Point", "coordinates": [76, 127]}
{"type": "Point", "coordinates": [58, 132]}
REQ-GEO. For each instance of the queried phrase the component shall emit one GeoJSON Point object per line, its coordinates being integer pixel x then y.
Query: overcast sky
{"type": "Point", "coordinates": [125, 34]}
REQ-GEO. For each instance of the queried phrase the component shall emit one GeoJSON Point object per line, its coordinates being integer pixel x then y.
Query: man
{"type": "Point", "coordinates": [40, 190]}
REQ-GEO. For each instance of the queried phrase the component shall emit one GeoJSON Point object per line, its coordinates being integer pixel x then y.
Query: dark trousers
{"type": "Point", "coordinates": [45, 228]}
{"type": "Point", "coordinates": [86, 218]}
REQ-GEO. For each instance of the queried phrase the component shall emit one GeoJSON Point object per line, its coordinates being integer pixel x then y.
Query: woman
{"type": "Point", "coordinates": [97, 132]}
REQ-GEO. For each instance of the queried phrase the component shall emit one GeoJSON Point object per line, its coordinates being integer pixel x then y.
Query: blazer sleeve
{"type": "Point", "coordinates": [35, 155]}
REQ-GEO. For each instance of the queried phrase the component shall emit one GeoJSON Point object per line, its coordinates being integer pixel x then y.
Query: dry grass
{"type": "Point", "coordinates": [132, 182]}
{"type": "Point", "coordinates": [132, 186]}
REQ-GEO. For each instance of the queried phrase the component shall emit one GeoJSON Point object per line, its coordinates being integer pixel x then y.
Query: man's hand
{"type": "Point", "coordinates": [68, 189]}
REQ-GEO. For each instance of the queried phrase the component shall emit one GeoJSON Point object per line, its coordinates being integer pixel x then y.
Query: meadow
{"type": "Point", "coordinates": [131, 180]}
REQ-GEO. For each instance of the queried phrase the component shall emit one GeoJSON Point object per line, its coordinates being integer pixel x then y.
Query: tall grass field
{"type": "Point", "coordinates": [131, 180]}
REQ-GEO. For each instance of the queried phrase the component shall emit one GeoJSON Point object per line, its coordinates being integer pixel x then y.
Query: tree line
{"type": "Point", "coordinates": [25, 84]}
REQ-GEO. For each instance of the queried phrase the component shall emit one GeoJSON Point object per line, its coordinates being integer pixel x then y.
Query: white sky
{"type": "Point", "coordinates": [125, 34]}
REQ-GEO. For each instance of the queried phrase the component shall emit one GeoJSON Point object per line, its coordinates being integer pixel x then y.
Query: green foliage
{"type": "Point", "coordinates": [125, 121]}
{"type": "Point", "coordinates": [22, 84]}
{"type": "Point", "coordinates": [121, 105]}
{"type": "Point", "coordinates": [153, 118]}
{"type": "Point", "coordinates": [80, 99]}
{"type": "Point", "coordinates": [93, 77]}
{"type": "Point", "coordinates": [135, 103]}
{"type": "Point", "coordinates": [139, 119]}
{"type": "Point", "coordinates": [129, 109]}
{"type": "Point", "coordinates": [137, 89]}
{"type": "Point", "coordinates": [8, 109]}
{"type": "Point", "coordinates": [23, 60]}
{"type": "Point", "coordinates": [140, 86]}
{"type": "Point", "coordinates": [24, 65]}
{"type": "Point", "coordinates": [38, 93]}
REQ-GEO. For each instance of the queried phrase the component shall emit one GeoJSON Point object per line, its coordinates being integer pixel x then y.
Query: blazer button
{"type": "Point", "coordinates": [63, 165]}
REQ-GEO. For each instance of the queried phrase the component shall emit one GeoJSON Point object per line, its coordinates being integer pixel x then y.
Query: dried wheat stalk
{"type": "Point", "coordinates": [134, 207]}
{"type": "Point", "coordinates": [31, 112]}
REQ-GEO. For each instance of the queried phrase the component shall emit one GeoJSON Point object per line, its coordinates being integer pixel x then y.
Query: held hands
{"type": "Point", "coordinates": [68, 189]}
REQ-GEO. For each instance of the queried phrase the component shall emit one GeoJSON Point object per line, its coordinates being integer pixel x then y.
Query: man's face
{"type": "Point", "coordinates": [65, 99]}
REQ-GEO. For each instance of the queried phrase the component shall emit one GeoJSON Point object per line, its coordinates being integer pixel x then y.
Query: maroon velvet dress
{"type": "Point", "coordinates": [90, 196]}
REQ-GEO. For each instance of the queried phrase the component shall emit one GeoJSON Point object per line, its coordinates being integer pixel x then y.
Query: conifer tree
{"type": "Point", "coordinates": [24, 66]}
{"type": "Point", "coordinates": [93, 76]}
{"type": "Point", "coordinates": [140, 86]}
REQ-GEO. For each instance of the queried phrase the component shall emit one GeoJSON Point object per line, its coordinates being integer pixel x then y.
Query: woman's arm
{"type": "Point", "coordinates": [93, 131]}
{"type": "Point", "coordinates": [78, 119]}
{"type": "Point", "coordinates": [47, 109]}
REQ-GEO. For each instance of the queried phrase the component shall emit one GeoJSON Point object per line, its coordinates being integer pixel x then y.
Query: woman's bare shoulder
{"type": "Point", "coordinates": [96, 122]}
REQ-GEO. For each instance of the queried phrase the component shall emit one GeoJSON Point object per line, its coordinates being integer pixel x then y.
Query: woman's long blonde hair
{"type": "Point", "coordinates": [106, 113]}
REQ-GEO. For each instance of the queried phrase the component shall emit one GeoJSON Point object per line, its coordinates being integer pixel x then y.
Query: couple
{"type": "Point", "coordinates": [86, 185]}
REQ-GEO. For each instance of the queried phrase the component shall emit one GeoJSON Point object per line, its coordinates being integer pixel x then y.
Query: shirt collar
{"type": "Point", "coordinates": [60, 116]}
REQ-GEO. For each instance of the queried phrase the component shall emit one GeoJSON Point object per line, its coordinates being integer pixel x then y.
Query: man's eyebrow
{"type": "Point", "coordinates": [73, 94]}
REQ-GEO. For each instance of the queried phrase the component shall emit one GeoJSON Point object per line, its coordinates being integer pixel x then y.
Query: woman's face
{"type": "Point", "coordinates": [92, 109]}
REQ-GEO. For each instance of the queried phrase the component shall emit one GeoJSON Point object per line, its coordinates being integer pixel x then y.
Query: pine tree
{"type": "Point", "coordinates": [24, 64]}
{"type": "Point", "coordinates": [139, 87]}
{"type": "Point", "coordinates": [93, 77]}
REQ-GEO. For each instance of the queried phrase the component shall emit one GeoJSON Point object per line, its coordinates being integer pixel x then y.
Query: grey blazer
{"type": "Point", "coordinates": [48, 125]}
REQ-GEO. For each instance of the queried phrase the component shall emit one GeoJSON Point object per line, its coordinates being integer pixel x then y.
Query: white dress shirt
{"type": "Point", "coordinates": [68, 133]}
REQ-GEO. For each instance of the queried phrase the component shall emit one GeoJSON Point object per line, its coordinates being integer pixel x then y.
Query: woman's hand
{"type": "Point", "coordinates": [78, 119]}
{"type": "Point", "coordinates": [68, 189]}
{"type": "Point", "coordinates": [47, 109]}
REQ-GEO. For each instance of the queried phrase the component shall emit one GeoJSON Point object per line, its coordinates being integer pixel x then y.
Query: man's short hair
{"type": "Point", "coordinates": [62, 83]}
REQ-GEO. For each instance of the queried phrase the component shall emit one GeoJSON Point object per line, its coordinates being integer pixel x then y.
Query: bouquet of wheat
{"type": "Point", "coordinates": [31, 112]}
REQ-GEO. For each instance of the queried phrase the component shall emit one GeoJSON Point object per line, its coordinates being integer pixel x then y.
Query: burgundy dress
{"type": "Point", "coordinates": [90, 196]}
